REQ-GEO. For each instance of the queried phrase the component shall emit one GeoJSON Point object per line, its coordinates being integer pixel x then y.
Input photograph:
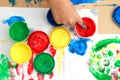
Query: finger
{"type": "Point", "coordinates": [81, 22]}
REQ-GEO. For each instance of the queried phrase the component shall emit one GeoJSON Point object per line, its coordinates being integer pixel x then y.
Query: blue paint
{"type": "Point", "coordinates": [116, 15]}
{"type": "Point", "coordinates": [28, 1]}
{"type": "Point", "coordinates": [35, 1]}
{"type": "Point", "coordinates": [78, 46]}
{"type": "Point", "coordinates": [13, 19]}
{"type": "Point", "coordinates": [51, 19]}
{"type": "Point", "coordinates": [75, 2]}
{"type": "Point", "coordinates": [13, 2]}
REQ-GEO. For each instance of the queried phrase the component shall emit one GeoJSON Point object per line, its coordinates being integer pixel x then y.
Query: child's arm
{"type": "Point", "coordinates": [64, 12]}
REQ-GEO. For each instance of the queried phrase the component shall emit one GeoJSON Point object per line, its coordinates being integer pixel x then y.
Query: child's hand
{"type": "Point", "coordinates": [64, 12]}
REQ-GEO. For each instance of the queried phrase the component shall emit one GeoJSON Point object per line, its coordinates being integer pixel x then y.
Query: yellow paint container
{"type": "Point", "coordinates": [20, 53]}
{"type": "Point", "coordinates": [59, 37]}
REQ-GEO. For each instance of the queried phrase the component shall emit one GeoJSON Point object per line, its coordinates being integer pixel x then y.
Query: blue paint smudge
{"type": "Point", "coordinates": [75, 2]}
{"type": "Point", "coordinates": [94, 12]}
{"type": "Point", "coordinates": [13, 2]}
{"type": "Point", "coordinates": [28, 1]}
{"type": "Point", "coordinates": [78, 46]}
{"type": "Point", "coordinates": [35, 1]}
{"type": "Point", "coordinates": [13, 19]}
{"type": "Point", "coordinates": [112, 5]}
{"type": "Point", "coordinates": [116, 15]}
{"type": "Point", "coordinates": [51, 19]}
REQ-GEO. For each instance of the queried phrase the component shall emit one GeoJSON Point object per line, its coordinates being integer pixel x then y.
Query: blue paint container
{"type": "Point", "coordinates": [116, 15]}
{"type": "Point", "coordinates": [51, 19]}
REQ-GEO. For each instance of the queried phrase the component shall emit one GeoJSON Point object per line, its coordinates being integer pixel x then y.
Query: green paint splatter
{"type": "Point", "coordinates": [99, 76]}
{"type": "Point", "coordinates": [4, 67]}
{"type": "Point", "coordinates": [117, 63]}
{"type": "Point", "coordinates": [104, 43]}
{"type": "Point", "coordinates": [13, 2]}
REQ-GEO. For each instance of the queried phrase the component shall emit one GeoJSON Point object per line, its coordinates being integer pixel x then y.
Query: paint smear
{"type": "Point", "coordinates": [60, 55]}
{"type": "Point", "coordinates": [40, 76]}
{"type": "Point", "coordinates": [104, 59]}
{"type": "Point", "coordinates": [4, 67]}
{"type": "Point", "coordinates": [13, 19]}
{"type": "Point", "coordinates": [52, 51]}
{"type": "Point", "coordinates": [28, 2]}
{"type": "Point", "coordinates": [112, 5]}
{"type": "Point", "coordinates": [75, 2]}
{"type": "Point", "coordinates": [30, 65]}
{"type": "Point", "coordinates": [78, 46]}
{"type": "Point", "coordinates": [13, 2]}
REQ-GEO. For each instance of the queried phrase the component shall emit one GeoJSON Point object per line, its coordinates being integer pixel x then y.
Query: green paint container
{"type": "Point", "coordinates": [44, 63]}
{"type": "Point", "coordinates": [19, 31]}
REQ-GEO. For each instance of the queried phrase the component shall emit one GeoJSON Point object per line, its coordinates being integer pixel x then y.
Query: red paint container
{"type": "Point", "coordinates": [91, 28]}
{"type": "Point", "coordinates": [38, 41]}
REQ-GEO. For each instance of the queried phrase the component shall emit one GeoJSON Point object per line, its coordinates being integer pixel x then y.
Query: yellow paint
{"type": "Point", "coordinates": [112, 46]}
{"type": "Point", "coordinates": [20, 53]}
{"type": "Point", "coordinates": [60, 55]}
{"type": "Point", "coordinates": [118, 56]}
{"type": "Point", "coordinates": [59, 37]}
{"type": "Point", "coordinates": [3, 41]}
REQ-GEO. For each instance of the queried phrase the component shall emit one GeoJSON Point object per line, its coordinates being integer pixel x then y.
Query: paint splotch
{"type": "Point", "coordinates": [104, 59]}
{"type": "Point", "coordinates": [78, 46]}
{"type": "Point", "coordinates": [75, 2]}
{"type": "Point", "coordinates": [4, 67]}
{"type": "Point", "coordinates": [13, 2]}
{"type": "Point", "coordinates": [13, 19]}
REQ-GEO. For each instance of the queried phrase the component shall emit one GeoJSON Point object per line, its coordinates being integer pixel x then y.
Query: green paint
{"type": "Point", "coordinates": [105, 42]}
{"type": "Point", "coordinates": [117, 63]}
{"type": "Point", "coordinates": [110, 53]}
{"type": "Point", "coordinates": [99, 56]}
{"type": "Point", "coordinates": [98, 75]}
{"type": "Point", "coordinates": [4, 67]}
{"type": "Point", "coordinates": [106, 62]}
{"type": "Point", "coordinates": [19, 31]}
{"type": "Point", "coordinates": [44, 63]}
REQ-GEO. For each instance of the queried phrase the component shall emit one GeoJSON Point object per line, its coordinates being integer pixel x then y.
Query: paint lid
{"type": "Point", "coordinates": [116, 15]}
{"type": "Point", "coordinates": [44, 63]}
{"type": "Point", "coordinates": [59, 37]}
{"type": "Point", "coordinates": [91, 28]}
{"type": "Point", "coordinates": [19, 31]}
{"type": "Point", "coordinates": [20, 53]}
{"type": "Point", "coordinates": [38, 41]}
{"type": "Point", "coordinates": [51, 19]}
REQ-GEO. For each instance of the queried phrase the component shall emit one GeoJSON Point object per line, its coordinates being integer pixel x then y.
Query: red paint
{"type": "Point", "coordinates": [12, 74]}
{"type": "Point", "coordinates": [51, 75]}
{"type": "Point", "coordinates": [31, 79]}
{"type": "Point", "coordinates": [40, 76]}
{"type": "Point", "coordinates": [117, 51]}
{"type": "Point", "coordinates": [52, 50]}
{"type": "Point", "coordinates": [18, 69]}
{"type": "Point", "coordinates": [38, 41]}
{"type": "Point", "coordinates": [91, 27]}
{"type": "Point", "coordinates": [119, 69]}
{"type": "Point", "coordinates": [30, 65]}
{"type": "Point", "coordinates": [23, 75]}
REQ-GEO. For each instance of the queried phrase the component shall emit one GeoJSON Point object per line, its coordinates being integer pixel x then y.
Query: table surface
{"type": "Point", "coordinates": [105, 10]}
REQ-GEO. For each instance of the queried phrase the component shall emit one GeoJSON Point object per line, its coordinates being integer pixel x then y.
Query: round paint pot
{"type": "Point", "coordinates": [38, 41]}
{"type": "Point", "coordinates": [19, 31]}
{"type": "Point", "coordinates": [91, 28]}
{"type": "Point", "coordinates": [44, 63]}
{"type": "Point", "coordinates": [51, 19]}
{"type": "Point", "coordinates": [59, 37]}
{"type": "Point", "coordinates": [20, 53]}
{"type": "Point", "coordinates": [116, 15]}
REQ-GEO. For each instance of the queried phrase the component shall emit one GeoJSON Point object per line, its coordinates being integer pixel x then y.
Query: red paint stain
{"type": "Point", "coordinates": [52, 50]}
{"type": "Point", "coordinates": [30, 65]}
{"type": "Point", "coordinates": [12, 74]}
{"type": "Point", "coordinates": [51, 75]}
{"type": "Point", "coordinates": [117, 51]}
{"type": "Point", "coordinates": [38, 41]}
{"type": "Point", "coordinates": [40, 76]}
{"type": "Point", "coordinates": [119, 69]}
{"type": "Point", "coordinates": [18, 69]}
{"type": "Point", "coordinates": [23, 75]}
{"type": "Point", "coordinates": [31, 79]}
{"type": "Point", "coordinates": [91, 28]}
